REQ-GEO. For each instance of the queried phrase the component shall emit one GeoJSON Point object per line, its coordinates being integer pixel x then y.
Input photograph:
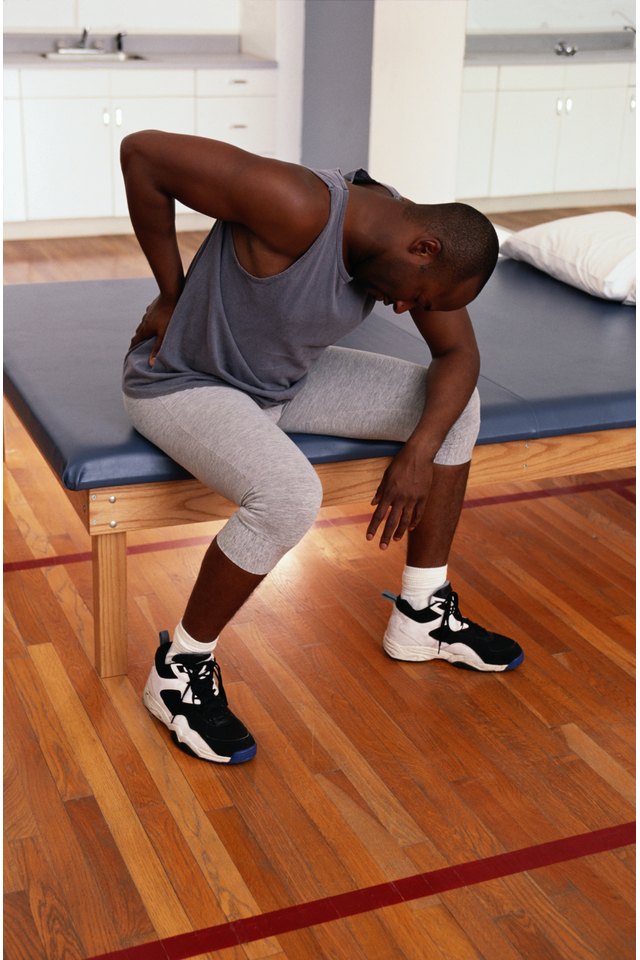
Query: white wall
{"type": "Point", "coordinates": [137, 16]}
{"type": "Point", "coordinates": [418, 53]}
{"type": "Point", "coordinates": [258, 23]}
{"type": "Point", "coordinates": [275, 29]}
{"type": "Point", "coordinates": [511, 16]}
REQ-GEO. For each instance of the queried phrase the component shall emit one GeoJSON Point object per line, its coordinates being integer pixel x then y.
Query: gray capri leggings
{"type": "Point", "coordinates": [222, 437]}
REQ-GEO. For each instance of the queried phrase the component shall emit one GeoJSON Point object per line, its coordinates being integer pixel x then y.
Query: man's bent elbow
{"type": "Point", "coordinates": [135, 145]}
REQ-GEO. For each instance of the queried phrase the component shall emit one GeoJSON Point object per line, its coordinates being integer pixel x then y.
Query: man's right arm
{"type": "Point", "coordinates": [282, 204]}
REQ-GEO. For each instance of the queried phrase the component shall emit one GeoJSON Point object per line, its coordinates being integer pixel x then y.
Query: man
{"type": "Point", "coordinates": [229, 359]}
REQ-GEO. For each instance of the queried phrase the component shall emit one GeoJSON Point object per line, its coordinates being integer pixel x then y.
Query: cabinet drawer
{"type": "Point", "coordinates": [599, 75]}
{"type": "Point", "coordinates": [236, 83]}
{"type": "Point", "coordinates": [65, 83]}
{"type": "Point", "coordinates": [532, 78]}
{"type": "Point", "coordinates": [11, 84]}
{"type": "Point", "coordinates": [249, 123]}
{"type": "Point", "coordinates": [152, 83]}
{"type": "Point", "coordinates": [479, 78]}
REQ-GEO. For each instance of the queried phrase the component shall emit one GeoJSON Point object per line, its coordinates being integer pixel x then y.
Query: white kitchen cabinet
{"type": "Point", "coordinates": [239, 107]}
{"type": "Point", "coordinates": [475, 143]}
{"type": "Point", "coordinates": [590, 139]}
{"type": "Point", "coordinates": [171, 114]}
{"type": "Point", "coordinates": [555, 129]}
{"type": "Point", "coordinates": [67, 158]}
{"type": "Point", "coordinates": [249, 123]}
{"type": "Point", "coordinates": [15, 208]}
{"type": "Point", "coordinates": [74, 121]}
{"type": "Point", "coordinates": [527, 127]}
{"type": "Point", "coordinates": [627, 167]}
{"type": "Point", "coordinates": [236, 83]}
{"type": "Point", "coordinates": [527, 124]}
{"type": "Point", "coordinates": [153, 99]}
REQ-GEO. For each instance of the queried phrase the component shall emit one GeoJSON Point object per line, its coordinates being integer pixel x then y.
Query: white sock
{"type": "Point", "coordinates": [420, 583]}
{"type": "Point", "coordinates": [184, 643]}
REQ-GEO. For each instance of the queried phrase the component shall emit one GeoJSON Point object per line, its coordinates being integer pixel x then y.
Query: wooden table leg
{"type": "Point", "coordinates": [110, 603]}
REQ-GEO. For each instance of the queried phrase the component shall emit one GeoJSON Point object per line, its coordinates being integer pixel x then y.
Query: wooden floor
{"type": "Point", "coordinates": [368, 771]}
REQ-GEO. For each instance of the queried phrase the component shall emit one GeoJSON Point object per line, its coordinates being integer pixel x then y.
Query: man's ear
{"type": "Point", "coordinates": [427, 248]}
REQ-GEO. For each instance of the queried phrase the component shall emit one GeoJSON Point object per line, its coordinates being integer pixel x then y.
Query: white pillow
{"type": "Point", "coordinates": [595, 252]}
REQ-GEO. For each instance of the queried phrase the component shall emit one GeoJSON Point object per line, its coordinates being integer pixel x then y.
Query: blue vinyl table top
{"type": "Point", "coordinates": [554, 361]}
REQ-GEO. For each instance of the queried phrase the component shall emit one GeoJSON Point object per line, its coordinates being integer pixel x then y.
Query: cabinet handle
{"type": "Point", "coordinates": [106, 117]}
{"type": "Point", "coordinates": [569, 105]}
{"type": "Point", "coordinates": [118, 117]}
{"type": "Point", "coordinates": [559, 105]}
{"type": "Point", "coordinates": [238, 81]}
{"type": "Point", "coordinates": [239, 126]}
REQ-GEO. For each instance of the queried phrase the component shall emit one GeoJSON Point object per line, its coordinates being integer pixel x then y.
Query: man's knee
{"type": "Point", "coordinates": [286, 511]}
{"type": "Point", "coordinates": [459, 443]}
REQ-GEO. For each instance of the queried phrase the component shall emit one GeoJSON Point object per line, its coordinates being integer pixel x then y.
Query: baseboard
{"type": "Point", "coordinates": [92, 227]}
{"type": "Point", "coordinates": [552, 201]}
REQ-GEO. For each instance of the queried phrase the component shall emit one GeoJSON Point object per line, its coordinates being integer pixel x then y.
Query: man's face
{"type": "Point", "coordinates": [408, 285]}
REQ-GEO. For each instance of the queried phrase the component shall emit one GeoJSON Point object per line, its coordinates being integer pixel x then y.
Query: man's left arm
{"type": "Point", "coordinates": [451, 378]}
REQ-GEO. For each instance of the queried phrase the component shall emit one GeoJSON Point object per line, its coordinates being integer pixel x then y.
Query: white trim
{"type": "Point", "coordinates": [546, 201]}
{"type": "Point", "coordinates": [92, 227]}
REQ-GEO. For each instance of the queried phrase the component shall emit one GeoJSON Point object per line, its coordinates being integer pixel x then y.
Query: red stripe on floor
{"type": "Point", "coordinates": [617, 486]}
{"type": "Point", "coordinates": [621, 489]}
{"type": "Point", "coordinates": [157, 545]}
{"type": "Point", "coordinates": [15, 565]}
{"type": "Point", "coordinates": [342, 905]}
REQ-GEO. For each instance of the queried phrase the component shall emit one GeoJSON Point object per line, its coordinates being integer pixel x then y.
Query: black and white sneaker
{"type": "Point", "coordinates": [187, 695]}
{"type": "Point", "coordinates": [440, 632]}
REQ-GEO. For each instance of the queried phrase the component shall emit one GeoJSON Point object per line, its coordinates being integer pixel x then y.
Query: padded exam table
{"type": "Point", "coordinates": [557, 390]}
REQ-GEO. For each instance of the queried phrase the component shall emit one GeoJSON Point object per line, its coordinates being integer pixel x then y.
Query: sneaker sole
{"type": "Point", "coordinates": [183, 735]}
{"type": "Point", "coordinates": [418, 655]}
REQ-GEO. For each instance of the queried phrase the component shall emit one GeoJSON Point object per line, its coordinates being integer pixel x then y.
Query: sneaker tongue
{"type": "Point", "coordinates": [203, 681]}
{"type": "Point", "coordinates": [454, 619]}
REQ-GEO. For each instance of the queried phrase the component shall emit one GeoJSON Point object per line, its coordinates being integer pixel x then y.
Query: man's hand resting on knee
{"type": "Point", "coordinates": [401, 496]}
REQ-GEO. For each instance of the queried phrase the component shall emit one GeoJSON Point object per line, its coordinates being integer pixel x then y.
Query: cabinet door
{"type": "Point", "coordinates": [590, 140]}
{"type": "Point", "coordinates": [627, 166]}
{"type": "Point", "coordinates": [172, 114]}
{"type": "Point", "coordinates": [525, 143]}
{"type": "Point", "coordinates": [247, 122]}
{"type": "Point", "coordinates": [474, 143]}
{"type": "Point", "coordinates": [15, 207]}
{"type": "Point", "coordinates": [67, 159]}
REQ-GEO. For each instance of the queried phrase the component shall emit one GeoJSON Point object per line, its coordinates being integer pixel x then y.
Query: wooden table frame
{"type": "Point", "coordinates": [109, 513]}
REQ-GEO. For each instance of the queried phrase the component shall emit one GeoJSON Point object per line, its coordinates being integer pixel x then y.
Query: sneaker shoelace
{"type": "Point", "coordinates": [205, 685]}
{"type": "Point", "coordinates": [451, 609]}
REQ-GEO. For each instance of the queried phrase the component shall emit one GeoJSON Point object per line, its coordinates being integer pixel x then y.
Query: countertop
{"type": "Point", "coordinates": [187, 52]}
{"type": "Point", "coordinates": [549, 59]}
{"type": "Point", "coordinates": [194, 61]}
{"type": "Point", "coordinates": [527, 49]}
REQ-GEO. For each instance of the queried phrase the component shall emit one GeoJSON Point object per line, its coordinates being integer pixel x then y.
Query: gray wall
{"type": "Point", "coordinates": [337, 83]}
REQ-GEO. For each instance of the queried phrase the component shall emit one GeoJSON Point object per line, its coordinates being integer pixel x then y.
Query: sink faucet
{"type": "Point", "coordinates": [84, 39]}
{"type": "Point", "coordinates": [629, 24]}
{"type": "Point", "coordinates": [564, 49]}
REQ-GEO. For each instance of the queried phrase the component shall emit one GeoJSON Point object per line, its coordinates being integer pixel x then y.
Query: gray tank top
{"type": "Point", "coordinates": [259, 335]}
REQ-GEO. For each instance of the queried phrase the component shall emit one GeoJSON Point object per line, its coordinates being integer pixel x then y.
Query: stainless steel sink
{"type": "Point", "coordinates": [82, 55]}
